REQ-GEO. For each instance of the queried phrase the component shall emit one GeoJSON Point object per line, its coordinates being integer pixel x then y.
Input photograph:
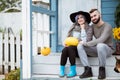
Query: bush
{"type": "Point", "coordinates": [117, 15]}
{"type": "Point", "coordinates": [21, 34]}
{"type": "Point", "coordinates": [13, 75]}
{"type": "Point", "coordinates": [1, 30]}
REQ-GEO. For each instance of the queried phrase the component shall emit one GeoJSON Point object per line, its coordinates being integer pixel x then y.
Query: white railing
{"type": "Point", "coordinates": [10, 52]}
{"type": "Point", "coordinates": [41, 32]}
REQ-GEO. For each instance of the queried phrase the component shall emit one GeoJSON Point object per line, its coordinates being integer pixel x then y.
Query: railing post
{"type": "Point", "coordinates": [1, 52]}
{"type": "Point", "coordinates": [12, 52]}
{"type": "Point", "coordinates": [18, 43]}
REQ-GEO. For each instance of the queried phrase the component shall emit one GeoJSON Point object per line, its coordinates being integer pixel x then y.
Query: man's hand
{"type": "Point", "coordinates": [81, 42]}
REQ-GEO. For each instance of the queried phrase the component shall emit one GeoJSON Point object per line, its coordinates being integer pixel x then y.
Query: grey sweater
{"type": "Point", "coordinates": [103, 34]}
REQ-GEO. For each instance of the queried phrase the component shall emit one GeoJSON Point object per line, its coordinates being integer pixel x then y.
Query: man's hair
{"type": "Point", "coordinates": [92, 10]}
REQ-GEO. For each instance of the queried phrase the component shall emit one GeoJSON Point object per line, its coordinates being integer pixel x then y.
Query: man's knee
{"type": "Point", "coordinates": [80, 46]}
{"type": "Point", "coordinates": [101, 46]}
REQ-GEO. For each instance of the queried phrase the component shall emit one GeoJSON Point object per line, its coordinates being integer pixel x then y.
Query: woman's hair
{"type": "Point", "coordinates": [76, 18]}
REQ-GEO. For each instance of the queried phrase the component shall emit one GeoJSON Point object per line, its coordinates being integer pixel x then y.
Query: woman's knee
{"type": "Point", "coordinates": [64, 49]}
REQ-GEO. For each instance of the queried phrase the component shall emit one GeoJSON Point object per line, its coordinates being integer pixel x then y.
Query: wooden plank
{"type": "Point", "coordinates": [109, 4]}
{"type": "Point", "coordinates": [108, 0]}
{"type": "Point", "coordinates": [12, 52]}
{"type": "Point", "coordinates": [40, 26]}
{"type": "Point", "coordinates": [46, 25]}
{"type": "Point", "coordinates": [47, 69]}
{"type": "Point", "coordinates": [6, 53]}
{"type": "Point", "coordinates": [34, 45]}
{"type": "Point", "coordinates": [56, 77]}
{"type": "Point", "coordinates": [108, 11]}
{"type": "Point", "coordinates": [1, 51]}
{"type": "Point", "coordinates": [35, 35]}
{"type": "Point", "coordinates": [17, 51]}
{"type": "Point", "coordinates": [39, 59]}
{"type": "Point", "coordinates": [108, 8]}
{"type": "Point", "coordinates": [108, 17]}
{"type": "Point", "coordinates": [42, 10]}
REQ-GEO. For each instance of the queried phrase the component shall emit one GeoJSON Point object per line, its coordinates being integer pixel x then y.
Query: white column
{"type": "Point", "coordinates": [26, 66]}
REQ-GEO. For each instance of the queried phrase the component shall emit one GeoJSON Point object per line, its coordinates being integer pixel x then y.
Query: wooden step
{"type": "Point", "coordinates": [56, 77]}
{"type": "Point", "coordinates": [55, 59]}
{"type": "Point", "coordinates": [49, 65]}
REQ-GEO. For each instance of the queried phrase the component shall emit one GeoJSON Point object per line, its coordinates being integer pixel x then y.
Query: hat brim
{"type": "Point", "coordinates": [86, 14]}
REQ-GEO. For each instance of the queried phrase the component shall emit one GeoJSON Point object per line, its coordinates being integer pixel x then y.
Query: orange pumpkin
{"type": "Point", "coordinates": [71, 41]}
{"type": "Point", "coordinates": [45, 51]}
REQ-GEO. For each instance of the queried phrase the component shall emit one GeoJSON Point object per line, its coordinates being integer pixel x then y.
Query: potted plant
{"type": "Point", "coordinates": [116, 30]}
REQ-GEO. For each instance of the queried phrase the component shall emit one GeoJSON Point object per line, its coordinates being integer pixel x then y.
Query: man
{"type": "Point", "coordinates": [102, 46]}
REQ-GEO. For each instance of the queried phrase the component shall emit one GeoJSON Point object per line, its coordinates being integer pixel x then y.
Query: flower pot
{"type": "Point", "coordinates": [117, 52]}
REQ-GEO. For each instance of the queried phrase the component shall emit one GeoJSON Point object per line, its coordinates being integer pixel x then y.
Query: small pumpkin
{"type": "Point", "coordinates": [71, 41]}
{"type": "Point", "coordinates": [45, 51]}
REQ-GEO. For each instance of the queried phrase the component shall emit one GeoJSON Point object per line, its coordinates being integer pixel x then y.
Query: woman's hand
{"type": "Point", "coordinates": [65, 45]}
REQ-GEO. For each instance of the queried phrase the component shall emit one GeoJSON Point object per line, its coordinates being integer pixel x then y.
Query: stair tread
{"type": "Point", "coordinates": [56, 77]}
{"type": "Point", "coordinates": [55, 59]}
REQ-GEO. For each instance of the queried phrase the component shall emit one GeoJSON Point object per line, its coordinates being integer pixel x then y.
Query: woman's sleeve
{"type": "Point", "coordinates": [89, 34]}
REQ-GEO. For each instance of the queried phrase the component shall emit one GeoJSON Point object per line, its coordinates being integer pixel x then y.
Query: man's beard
{"type": "Point", "coordinates": [97, 20]}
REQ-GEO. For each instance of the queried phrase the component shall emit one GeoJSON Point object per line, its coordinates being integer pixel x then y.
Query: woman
{"type": "Point", "coordinates": [81, 30]}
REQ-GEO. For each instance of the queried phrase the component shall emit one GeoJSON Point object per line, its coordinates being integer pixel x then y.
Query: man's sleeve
{"type": "Point", "coordinates": [104, 36]}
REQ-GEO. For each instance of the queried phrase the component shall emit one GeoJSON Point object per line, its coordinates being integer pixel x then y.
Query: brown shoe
{"type": "Point", "coordinates": [102, 73]}
{"type": "Point", "coordinates": [87, 72]}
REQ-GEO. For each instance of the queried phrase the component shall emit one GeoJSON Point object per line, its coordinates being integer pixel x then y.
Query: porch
{"type": "Point", "coordinates": [45, 30]}
{"type": "Point", "coordinates": [47, 68]}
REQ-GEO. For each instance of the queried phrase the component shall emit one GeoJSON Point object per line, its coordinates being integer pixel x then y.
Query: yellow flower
{"type": "Point", "coordinates": [116, 33]}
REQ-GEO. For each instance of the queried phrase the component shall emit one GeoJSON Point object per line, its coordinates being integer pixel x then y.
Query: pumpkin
{"type": "Point", "coordinates": [71, 41]}
{"type": "Point", "coordinates": [45, 51]}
